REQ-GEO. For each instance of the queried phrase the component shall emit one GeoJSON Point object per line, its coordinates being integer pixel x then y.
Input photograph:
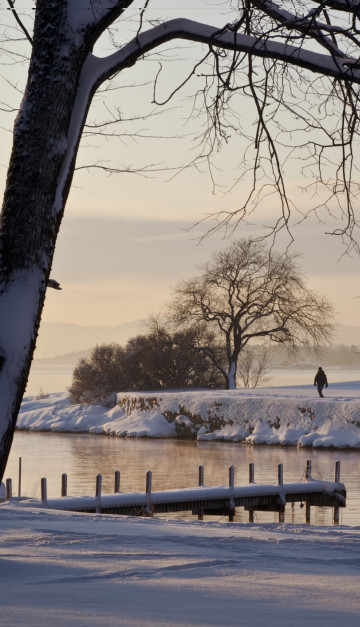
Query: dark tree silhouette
{"type": "Point", "coordinates": [156, 361]}
{"type": "Point", "coordinates": [247, 293]}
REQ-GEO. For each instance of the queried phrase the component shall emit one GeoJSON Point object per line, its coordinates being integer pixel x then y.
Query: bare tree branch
{"type": "Point", "coordinates": [11, 4]}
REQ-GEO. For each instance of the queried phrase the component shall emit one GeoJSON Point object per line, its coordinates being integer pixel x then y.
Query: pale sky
{"type": "Point", "coordinates": [123, 243]}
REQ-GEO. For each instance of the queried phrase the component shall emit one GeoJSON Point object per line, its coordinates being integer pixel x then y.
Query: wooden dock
{"type": "Point", "coordinates": [202, 500]}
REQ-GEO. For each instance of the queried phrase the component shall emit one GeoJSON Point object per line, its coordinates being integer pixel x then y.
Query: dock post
{"type": "Point", "coordinates": [337, 472]}
{"type": "Point", "coordinates": [64, 484]}
{"type": "Point", "coordinates": [201, 475]}
{"type": "Point", "coordinates": [231, 485]}
{"type": "Point", "coordinates": [280, 474]}
{"type": "Point", "coordinates": [280, 482]}
{"type": "Point", "coordinates": [148, 481]}
{"type": "Point", "coordinates": [19, 483]}
{"type": "Point", "coordinates": [307, 504]}
{"type": "Point", "coordinates": [117, 481]}
{"type": "Point", "coordinates": [231, 476]}
{"type": "Point", "coordinates": [8, 489]}
{"type": "Point", "coordinates": [201, 483]}
{"type": "Point", "coordinates": [43, 490]}
{"type": "Point", "coordinates": [251, 480]}
{"type": "Point", "coordinates": [148, 510]}
{"type": "Point", "coordinates": [98, 494]}
{"type": "Point", "coordinates": [336, 516]}
{"type": "Point", "coordinates": [251, 472]}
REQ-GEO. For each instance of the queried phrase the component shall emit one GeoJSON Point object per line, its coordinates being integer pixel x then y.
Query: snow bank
{"type": "Point", "coordinates": [284, 416]}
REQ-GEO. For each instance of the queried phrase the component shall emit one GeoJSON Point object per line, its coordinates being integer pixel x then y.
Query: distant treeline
{"type": "Point", "coordinates": [338, 355]}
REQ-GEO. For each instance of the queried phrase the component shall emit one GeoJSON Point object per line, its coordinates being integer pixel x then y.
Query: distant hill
{"type": "Point", "coordinates": [61, 362]}
{"type": "Point", "coordinates": [64, 344]}
{"type": "Point", "coordinates": [58, 339]}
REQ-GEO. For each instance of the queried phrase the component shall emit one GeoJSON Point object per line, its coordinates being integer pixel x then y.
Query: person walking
{"type": "Point", "coordinates": [320, 381]}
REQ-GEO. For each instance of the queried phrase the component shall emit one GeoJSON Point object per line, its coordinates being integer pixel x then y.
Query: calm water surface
{"type": "Point", "coordinates": [175, 464]}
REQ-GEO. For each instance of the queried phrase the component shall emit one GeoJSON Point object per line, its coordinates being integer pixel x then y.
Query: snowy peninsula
{"type": "Point", "coordinates": [289, 416]}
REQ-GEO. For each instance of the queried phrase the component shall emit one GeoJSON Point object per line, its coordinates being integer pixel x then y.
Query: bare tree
{"type": "Point", "coordinates": [253, 365]}
{"type": "Point", "coordinates": [156, 361]}
{"type": "Point", "coordinates": [95, 379]}
{"type": "Point", "coordinates": [162, 360]}
{"type": "Point", "coordinates": [248, 292]}
{"type": "Point", "coordinates": [258, 51]}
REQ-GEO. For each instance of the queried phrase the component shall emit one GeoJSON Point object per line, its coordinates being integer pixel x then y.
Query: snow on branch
{"type": "Point", "coordinates": [307, 25]}
{"type": "Point", "coordinates": [341, 67]}
{"type": "Point", "coordinates": [349, 6]}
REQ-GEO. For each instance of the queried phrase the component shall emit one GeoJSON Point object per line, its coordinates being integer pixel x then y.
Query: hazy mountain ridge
{"type": "Point", "coordinates": [74, 342]}
{"type": "Point", "coordinates": [57, 340]}
{"type": "Point", "coordinates": [69, 360]}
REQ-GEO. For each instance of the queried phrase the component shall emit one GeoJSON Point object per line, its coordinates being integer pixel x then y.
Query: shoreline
{"type": "Point", "coordinates": [286, 416]}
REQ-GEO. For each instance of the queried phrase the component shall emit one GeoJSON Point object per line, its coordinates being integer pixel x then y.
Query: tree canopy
{"type": "Point", "coordinates": [155, 361]}
{"type": "Point", "coordinates": [246, 293]}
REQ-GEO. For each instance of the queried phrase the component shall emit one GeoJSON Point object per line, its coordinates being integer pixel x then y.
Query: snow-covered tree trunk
{"type": "Point", "coordinates": [33, 208]}
{"type": "Point", "coordinates": [231, 376]}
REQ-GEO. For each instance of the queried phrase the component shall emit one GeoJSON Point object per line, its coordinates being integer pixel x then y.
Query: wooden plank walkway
{"type": "Point", "coordinates": [204, 500]}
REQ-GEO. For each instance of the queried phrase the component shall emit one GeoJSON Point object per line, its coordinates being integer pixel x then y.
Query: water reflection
{"type": "Point", "coordinates": [174, 464]}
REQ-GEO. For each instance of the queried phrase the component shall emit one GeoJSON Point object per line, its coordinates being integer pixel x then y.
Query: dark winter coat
{"type": "Point", "coordinates": [320, 378]}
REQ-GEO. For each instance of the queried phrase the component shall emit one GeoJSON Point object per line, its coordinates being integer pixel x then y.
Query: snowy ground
{"type": "Point", "coordinates": [64, 569]}
{"type": "Point", "coordinates": [67, 569]}
{"type": "Point", "coordinates": [286, 416]}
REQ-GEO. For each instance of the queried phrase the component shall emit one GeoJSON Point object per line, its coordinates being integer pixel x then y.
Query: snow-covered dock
{"type": "Point", "coordinates": [203, 500]}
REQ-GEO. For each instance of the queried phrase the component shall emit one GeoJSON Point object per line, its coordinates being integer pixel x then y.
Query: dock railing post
{"type": "Point", "coordinates": [19, 483]}
{"type": "Point", "coordinates": [280, 474]}
{"type": "Point", "coordinates": [336, 513]}
{"type": "Point", "coordinates": [8, 489]}
{"type": "Point", "coordinates": [231, 476]}
{"type": "Point", "coordinates": [148, 508]}
{"type": "Point", "coordinates": [201, 484]}
{"type": "Point", "coordinates": [64, 484]}
{"type": "Point", "coordinates": [280, 482]}
{"type": "Point", "coordinates": [231, 485]}
{"type": "Point", "coordinates": [43, 490]}
{"type": "Point", "coordinates": [251, 480]}
{"type": "Point", "coordinates": [117, 481]}
{"type": "Point", "coordinates": [337, 472]}
{"type": "Point", "coordinates": [148, 482]}
{"type": "Point", "coordinates": [251, 472]}
{"type": "Point", "coordinates": [98, 494]}
{"type": "Point", "coordinates": [308, 478]}
{"type": "Point", "coordinates": [201, 475]}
